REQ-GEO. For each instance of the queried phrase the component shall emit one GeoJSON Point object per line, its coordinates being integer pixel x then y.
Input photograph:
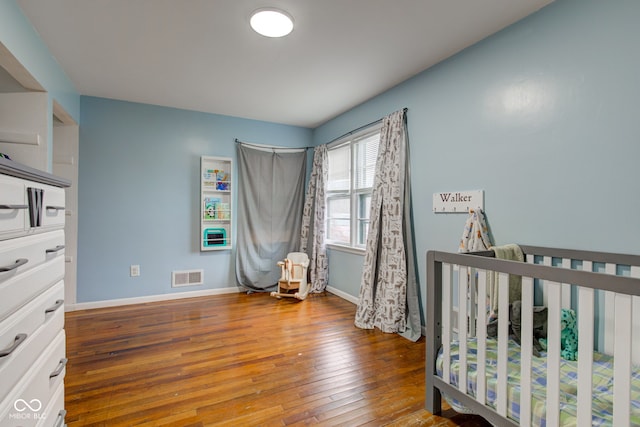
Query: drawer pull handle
{"type": "Point", "coordinates": [56, 249]}
{"type": "Point", "coordinates": [19, 340]}
{"type": "Point", "coordinates": [60, 419]}
{"type": "Point", "coordinates": [54, 307]}
{"type": "Point", "coordinates": [55, 208]}
{"type": "Point", "coordinates": [14, 207]}
{"type": "Point", "coordinates": [18, 263]}
{"type": "Point", "coordinates": [61, 365]}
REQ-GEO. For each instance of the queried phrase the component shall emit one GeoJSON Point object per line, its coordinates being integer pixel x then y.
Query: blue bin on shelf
{"type": "Point", "coordinates": [214, 237]}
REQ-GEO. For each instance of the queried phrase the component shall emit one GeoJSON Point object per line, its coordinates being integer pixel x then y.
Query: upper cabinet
{"type": "Point", "coordinates": [24, 123]}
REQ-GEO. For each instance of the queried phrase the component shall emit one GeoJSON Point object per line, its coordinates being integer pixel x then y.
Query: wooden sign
{"type": "Point", "coordinates": [458, 201]}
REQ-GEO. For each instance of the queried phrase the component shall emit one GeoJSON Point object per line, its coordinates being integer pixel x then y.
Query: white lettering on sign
{"type": "Point", "coordinates": [458, 201]}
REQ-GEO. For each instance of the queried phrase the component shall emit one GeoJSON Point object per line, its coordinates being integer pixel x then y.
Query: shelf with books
{"type": "Point", "coordinates": [216, 210]}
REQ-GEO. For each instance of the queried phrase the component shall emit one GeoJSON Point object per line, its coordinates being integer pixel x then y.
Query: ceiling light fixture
{"type": "Point", "coordinates": [271, 22]}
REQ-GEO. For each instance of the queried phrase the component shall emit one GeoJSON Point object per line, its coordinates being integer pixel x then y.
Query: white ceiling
{"type": "Point", "coordinates": [201, 54]}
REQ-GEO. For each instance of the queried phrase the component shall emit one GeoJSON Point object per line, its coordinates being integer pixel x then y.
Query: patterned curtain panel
{"type": "Point", "coordinates": [314, 207]}
{"type": "Point", "coordinates": [388, 288]}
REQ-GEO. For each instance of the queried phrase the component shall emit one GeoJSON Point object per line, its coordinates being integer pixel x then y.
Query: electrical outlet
{"type": "Point", "coordinates": [134, 270]}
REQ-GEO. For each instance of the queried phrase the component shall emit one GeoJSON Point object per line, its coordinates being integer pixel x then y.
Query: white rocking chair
{"type": "Point", "coordinates": [293, 279]}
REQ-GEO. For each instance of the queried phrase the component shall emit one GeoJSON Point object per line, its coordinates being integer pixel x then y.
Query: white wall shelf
{"type": "Point", "coordinates": [216, 212]}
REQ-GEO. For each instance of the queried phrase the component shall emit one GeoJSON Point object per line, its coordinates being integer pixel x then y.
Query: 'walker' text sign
{"type": "Point", "coordinates": [458, 201]}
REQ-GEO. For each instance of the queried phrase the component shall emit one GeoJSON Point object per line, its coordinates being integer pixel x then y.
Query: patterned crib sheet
{"type": "Point", "coordinates": [602, 402]}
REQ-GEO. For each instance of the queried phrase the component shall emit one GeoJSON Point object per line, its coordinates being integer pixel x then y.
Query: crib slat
{"type": "Point", "coordinates": [566, 288]}
{"type": "Point", "coordinates": [481, 379]}
{"type": "Point", "coordinates": [554, 293]}
{"type": "Point", "coordinates": [527, 351]}
{"type": "Point", "coordinates": [585, 352]}
{"type": "Point", "coordinates": [462, 328]}
{"type": "Point", "coordinates": [545, 294]}
{"type": "Point", "coordinates": [609, 311]}
{"type": "Point", "coordinates": [622, 361]}
{"type": "Point", "coordinates": [447, 277]}
{"type": "Point", "coordinates": [635, 342]}
{"type": "Point", "coordinates": [503, 337]}
{"type": "Point", "coordinates": [472, 302]}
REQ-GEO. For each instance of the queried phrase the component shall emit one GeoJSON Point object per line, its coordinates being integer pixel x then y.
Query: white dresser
{"type": "Point", "coordinates": [32, 264]}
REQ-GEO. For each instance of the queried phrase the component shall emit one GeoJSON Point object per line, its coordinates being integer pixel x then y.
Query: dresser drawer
{"type": "Point", "coordinates": [53, 215]}
{"type": "Point", "coordinates": [27, 333]}
{"type": "Point", "coordinates": [26, 403]}
{"type": "Point", "coordinates": [29, 207]}
{"type": "Point", "coordinates": [21, 288]}
{"type": "Point", "coordinates": [13, 206]}
{"type": "Point", "coordinates": [54, 413]}
{"type": "Point", "coordinates": [24, 253]}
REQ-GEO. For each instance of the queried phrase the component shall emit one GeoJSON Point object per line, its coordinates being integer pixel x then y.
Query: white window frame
{"type": "Point", "coordinates": [353, 194]}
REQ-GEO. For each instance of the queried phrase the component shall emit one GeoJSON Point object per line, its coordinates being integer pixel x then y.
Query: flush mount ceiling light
{"type": "Point", "coordinates": [271, 22]}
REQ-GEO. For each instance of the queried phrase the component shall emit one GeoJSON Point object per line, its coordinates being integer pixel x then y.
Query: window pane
{"type": "Point", "coordinates": [366, 152]}
{"type": "Point", "coordinates": [338, 207]}
{"type": "Point", "coordinates": [339, 169]}
{"type": "Point", "coordinates": [339, 231]}
{"type": "Point", "coordinates": [364, 210]}
{"type": "Point", "coordinates": [352, 164]}
{"type": "Point", "coordinates": [338, 221]}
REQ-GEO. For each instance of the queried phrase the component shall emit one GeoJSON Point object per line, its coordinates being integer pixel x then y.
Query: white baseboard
{"type": "Point", "coordinates": [342, 294]}
{"type": "Point", "coordinates": [150, 298]}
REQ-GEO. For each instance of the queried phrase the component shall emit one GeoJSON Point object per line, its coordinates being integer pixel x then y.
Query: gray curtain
{"type": "Point", "coordinates": [270, 201]}
{"type": "Point", "coordinates": [389, 287]}
{"type": "Point", "coordinates": [313, 232]}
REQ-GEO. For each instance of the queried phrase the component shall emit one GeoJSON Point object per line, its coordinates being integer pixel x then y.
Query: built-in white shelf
{"type": "Point", "coordinates": [216, 211]}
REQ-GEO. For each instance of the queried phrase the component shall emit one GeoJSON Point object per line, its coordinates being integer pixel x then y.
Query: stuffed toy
{"type": "Point", "coordinates": [568, 335]}
{"type": "Point", "coordinates": [539, 325]}
{"type": "Point", "coordinates": [515, 325]}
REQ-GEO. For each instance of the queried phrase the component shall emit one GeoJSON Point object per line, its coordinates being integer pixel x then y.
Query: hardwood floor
{"type": "Point", "coordinates": [242, 360]}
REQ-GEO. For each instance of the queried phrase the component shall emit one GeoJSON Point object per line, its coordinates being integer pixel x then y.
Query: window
{"type": "Point", "coordinates": [352, 165]}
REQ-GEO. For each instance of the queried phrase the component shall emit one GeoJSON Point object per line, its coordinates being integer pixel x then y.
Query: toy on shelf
{"type": "Point", "coordinates": [222, 180]}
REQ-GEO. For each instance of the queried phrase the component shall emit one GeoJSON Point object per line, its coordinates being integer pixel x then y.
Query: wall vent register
{"type": "Point", "coordinates": [187, 278]}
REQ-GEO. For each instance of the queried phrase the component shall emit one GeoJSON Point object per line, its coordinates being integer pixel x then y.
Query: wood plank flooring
{"type": "Point", "coordinates": [242, 360]}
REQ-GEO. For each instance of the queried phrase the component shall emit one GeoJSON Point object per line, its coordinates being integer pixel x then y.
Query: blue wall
{"type": "Point", "coordinates": [543, 116]}
{"type": "Point", "coordinates": [139, 192]}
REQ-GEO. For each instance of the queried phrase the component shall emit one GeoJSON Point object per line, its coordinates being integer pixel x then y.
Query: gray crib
{"type": "Point", "coordinates": [503, 381]}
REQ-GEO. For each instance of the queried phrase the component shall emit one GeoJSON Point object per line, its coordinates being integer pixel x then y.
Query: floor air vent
{"type": "Point", "coordinates": [187, 278]}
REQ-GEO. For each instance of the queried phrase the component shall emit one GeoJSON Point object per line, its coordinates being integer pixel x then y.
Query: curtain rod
{"type": "Point", "coordinates": [270, 147]}
{"type": "Point", "coordinates": [360, 128]}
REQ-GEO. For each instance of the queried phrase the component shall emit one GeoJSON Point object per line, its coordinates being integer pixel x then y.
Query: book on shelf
{"type": "Point", "coordinates": [211, 207]}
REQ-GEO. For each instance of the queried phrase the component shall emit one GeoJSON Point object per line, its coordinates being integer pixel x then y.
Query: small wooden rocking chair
{"type": "Point", "coordinates": [293, 279]}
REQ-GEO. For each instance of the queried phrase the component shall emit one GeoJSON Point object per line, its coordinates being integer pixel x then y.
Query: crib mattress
{"type": "Point", "coordinates": [602, 403]}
